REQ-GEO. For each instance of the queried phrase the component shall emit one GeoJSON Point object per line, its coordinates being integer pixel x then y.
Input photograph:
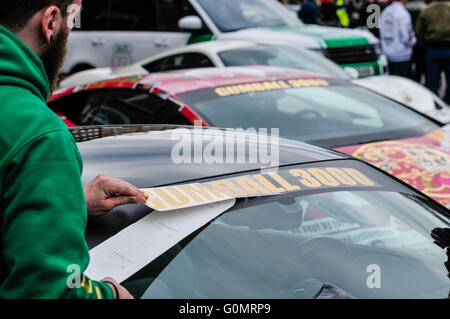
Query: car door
{"type": "Point", "coordinates": [118, 33]}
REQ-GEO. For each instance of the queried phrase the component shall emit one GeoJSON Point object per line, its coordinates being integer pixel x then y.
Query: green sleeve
{"type": "Point", "coordinates": [44, 221]}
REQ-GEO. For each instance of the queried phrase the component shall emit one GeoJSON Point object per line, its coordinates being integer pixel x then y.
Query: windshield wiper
{"type": "Point", "coordinates": [371, 141]}
{"type": "Point", "coordinates": [330, 291]}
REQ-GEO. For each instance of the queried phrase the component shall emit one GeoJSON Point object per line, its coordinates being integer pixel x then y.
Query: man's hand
{"type": "Point", "coordinates": [123, 293]}
{"type": "Point", "coordinates": [104, 193]}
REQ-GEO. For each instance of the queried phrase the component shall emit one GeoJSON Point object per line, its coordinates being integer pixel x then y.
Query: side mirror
{"type": "Point", "coordinates": [192, 23]}
{"type": "Point", "coordinates": [352, 72]}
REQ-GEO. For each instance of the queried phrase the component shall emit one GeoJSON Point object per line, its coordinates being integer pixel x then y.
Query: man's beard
{"type": "Point", "coordinates": [53, 59]}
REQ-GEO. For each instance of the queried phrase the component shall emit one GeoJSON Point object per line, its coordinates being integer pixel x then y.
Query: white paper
{"type": "Point", "coordinates": [136, 246]}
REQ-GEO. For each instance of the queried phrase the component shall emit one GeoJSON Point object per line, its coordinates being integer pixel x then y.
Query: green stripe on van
{"type": "Point", "coordinates": [327, 37]}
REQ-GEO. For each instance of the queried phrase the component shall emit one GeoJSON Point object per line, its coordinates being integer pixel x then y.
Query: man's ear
{"type": "Point", "coordinates": [52, 21]}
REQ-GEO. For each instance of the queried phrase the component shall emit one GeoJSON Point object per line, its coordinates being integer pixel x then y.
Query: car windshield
{"type": "Point", "coordinates": [233, 15]}
{"type": "Point", "coordinates": [361, 244]}
{"type": "Point", "coordinates": [330, 113]}
{"type": "Point", "coordinates": [282, 56]}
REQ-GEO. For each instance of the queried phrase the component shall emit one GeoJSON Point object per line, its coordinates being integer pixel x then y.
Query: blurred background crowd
{"type": "Point", "coordinates": [414, 35]}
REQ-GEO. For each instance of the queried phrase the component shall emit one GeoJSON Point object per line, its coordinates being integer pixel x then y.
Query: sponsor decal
{"type": "Point", "coordinates": [263, 184]}
{"type": "Point", "coordinates": [269, 86]}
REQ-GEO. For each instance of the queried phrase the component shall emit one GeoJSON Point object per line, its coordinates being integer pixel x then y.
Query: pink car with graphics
{"type": "Point", "coordinates": [313, 108]}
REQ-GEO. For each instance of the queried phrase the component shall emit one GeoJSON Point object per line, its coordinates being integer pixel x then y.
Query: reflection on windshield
{"type": "Point", "coordinates": [282, 56]}
{"type": "Point", "coordinates": [355, 244]}
{"type": "Point", "coordinates": [331, 116]}
{"type": "Point", "coordinates": [233, 15]}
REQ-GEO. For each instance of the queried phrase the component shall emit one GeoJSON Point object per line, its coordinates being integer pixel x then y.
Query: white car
{"type": "Point", "coordinates": [217, 54]}
{"type": "Point", "coordinates": [244, 53]}
{"type": "Point", "coordinates": [410, 93]}
{"type": "Point", "coordinates": [118, 33]}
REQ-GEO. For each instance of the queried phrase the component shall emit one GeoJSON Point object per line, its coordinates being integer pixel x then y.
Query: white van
{"type": "Point", "coordinates": [118, 33]}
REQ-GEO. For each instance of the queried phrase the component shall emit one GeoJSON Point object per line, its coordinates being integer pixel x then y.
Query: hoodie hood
{"type": "Point", "coordinates": [20, 66]}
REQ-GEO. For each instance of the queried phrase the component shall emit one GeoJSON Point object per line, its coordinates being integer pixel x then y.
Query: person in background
{"type": "Point", "coordinates": [397, 37]}
{"type": "Point", "coordinates": [44, 208]}
{"type": "Point", "coordinates": [309, 12]}
{"type": "Point", "coordinates": [342, 14]}
{"type": "Point", "coordinates": [328, 13]}
{"type": "Point", "coordinates": [433, 32]}
{"type": "Point", "coordinates": [419, 56]}
{"type": "Point", "coordinates": [354, 8]}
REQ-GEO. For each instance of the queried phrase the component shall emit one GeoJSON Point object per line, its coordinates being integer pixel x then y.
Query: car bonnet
{"type": "Point", "coordinates": [422, 162]}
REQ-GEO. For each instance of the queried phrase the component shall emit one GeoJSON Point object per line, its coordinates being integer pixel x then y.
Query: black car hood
{"type": "Point", "coordinates": [144, 158]}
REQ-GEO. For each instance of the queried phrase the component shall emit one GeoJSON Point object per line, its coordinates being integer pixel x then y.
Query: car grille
{"type": "Point", "coordinates": [351, 55]}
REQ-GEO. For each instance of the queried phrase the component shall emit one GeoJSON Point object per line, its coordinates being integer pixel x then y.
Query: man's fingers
{"type": "Point", "coordinates": [121, 200]}
{"type": "Point", "coordinates": [123, 188]}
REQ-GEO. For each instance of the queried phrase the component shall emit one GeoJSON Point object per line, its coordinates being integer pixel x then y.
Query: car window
{"type": "Point", "coordinates": [129, 108]}
{"type": "Point", "coordinates": [334, 114]}
{"type": "Point", "coordinates": [118, 107]}
{"type": "Point", "coordinates": [232, 15]}
{"type": "Point", "coordinates": [180, 61]}
{"type": "Point", "coordinates": [169, 12]}
{"type": "Point", "coordinates": [110, 15]}
{"type": "Point", "coordinates": [281, 56]}
{"type": "Point", "coordinates": [134, 15]}
{"type": "Point", "coordinates": [299, 243]}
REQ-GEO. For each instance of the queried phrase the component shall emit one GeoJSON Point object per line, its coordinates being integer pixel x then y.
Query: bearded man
{"type": "Point", "coordinates": [44, 208]}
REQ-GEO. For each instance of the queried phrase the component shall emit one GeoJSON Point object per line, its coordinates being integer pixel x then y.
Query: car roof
{"type": "Point", "coordinates": [213, 47]}
{"type": "Point", "coordinates": [209, 47]}
{"type": "Point", "coordinates": [180, 81]}
{"type": "Point", "coordinates": [142, 154]}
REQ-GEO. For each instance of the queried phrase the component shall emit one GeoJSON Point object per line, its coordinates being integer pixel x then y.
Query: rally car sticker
{"type": "Point", "coordinates": [269, 86]}
{"type": "Point", "coordinates": [183, 209]}
{"type": "Point", "coordinates": [264, 184]}
{"type": "Point", "coordinates": [122, 54]}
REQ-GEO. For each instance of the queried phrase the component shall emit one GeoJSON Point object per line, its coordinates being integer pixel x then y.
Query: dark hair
{"type": "Point", "coordinates": [15, 14]}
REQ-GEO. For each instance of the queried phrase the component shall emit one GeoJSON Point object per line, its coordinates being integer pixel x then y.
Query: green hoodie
{"type": "Point", "coordinates": [43, 209]}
